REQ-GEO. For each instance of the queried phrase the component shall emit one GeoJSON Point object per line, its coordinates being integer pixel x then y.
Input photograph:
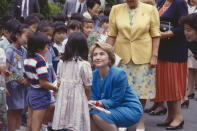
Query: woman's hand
{"type": "Point", "coordinates": [166, 34]}
{"type": "Point", "coordinates": [96, 103]}
{"type": "Point", "coordinates": [153, 62]}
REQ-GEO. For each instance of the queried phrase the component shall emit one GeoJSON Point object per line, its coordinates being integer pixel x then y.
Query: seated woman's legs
{"type": "Point", "coordinates": [140, 124]}
{"type": "Point", "coordinates": [101, 125]}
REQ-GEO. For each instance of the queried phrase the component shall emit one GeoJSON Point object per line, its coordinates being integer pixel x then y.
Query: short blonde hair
{"type": "Point", "coordinates": [107, 48]}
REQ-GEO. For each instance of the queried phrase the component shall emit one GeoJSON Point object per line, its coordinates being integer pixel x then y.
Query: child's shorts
{"type": "Point", "coordinates": [38, 98]}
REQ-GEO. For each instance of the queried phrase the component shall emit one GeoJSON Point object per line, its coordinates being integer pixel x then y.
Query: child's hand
{"type": "Point", "coordinates": [7, 92]}
{"type": "Point", "coordinates": [21, 81]}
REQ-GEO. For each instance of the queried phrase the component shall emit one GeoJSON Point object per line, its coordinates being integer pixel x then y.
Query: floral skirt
{"type": "Point", "coordinates": [141, 79]}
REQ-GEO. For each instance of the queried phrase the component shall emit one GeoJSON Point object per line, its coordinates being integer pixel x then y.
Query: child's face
{"type": "Point", "coordinates": [23, 38]}
{"type": "Point", "coordinates": [59, 36]}
{"type": "Point", "coordinates": [6, 33]}
{"type": "Point", "coordinates": [34, 27]}
{"type": "Point", "coordinates": [87, 28]}
{"type": "Point", "coordinates": [49, 33]}
{"type": "Point", "coordinates": [190, 33]}
{"type": "Point", "coordinates": [105, 26]}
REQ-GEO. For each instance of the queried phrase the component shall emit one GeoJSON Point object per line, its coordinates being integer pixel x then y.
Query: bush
{"type": "Point", "coordinates": [5, 7]}
{"type": "Point", "coordinates": [54, 9]}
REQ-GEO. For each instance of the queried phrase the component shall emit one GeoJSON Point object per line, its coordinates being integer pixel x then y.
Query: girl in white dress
{"type": "Point", "coordinates": [74, 78]}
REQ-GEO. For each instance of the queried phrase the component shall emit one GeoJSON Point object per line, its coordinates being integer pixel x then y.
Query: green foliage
{"type": "Point", "coordinates": [54, 9]}
{"type": "Point", "coordinates": [5, 7]}
{"type": "Point", "coordinates": [110, 3]}
{"type": "Point", "coordinates": [48, 9]}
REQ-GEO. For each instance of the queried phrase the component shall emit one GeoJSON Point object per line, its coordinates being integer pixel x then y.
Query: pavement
{"type": "Point", "coordinates": [189, 115]}
{"type": "Point", "coordinates": [190, 119]}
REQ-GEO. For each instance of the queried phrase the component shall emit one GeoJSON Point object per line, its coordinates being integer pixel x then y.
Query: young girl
{"type": "Point", "coordinates": [59, 35]}
{"type": "Point", "coordinates": [39, 96]}
{"type": "Point", "coordinates": [46, 28]}
{"type": "Point", "coordinates": [74, 77]}
{"type": "Point", "coordinates": [15, 55]}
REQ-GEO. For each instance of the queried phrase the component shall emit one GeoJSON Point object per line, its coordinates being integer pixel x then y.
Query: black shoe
{"type": "Point", "coordinates": [151, 109]}
{"type": "Point", "coordinates": [164, 124]}
{"type": "Point", "coordinates": [185, 104]}
{"type": "Point", "coordinates": [162, 112]}
{"type": "Point", "coordinates": [191, 96]}
{"type": "Point", "coordinates": [180, 126]}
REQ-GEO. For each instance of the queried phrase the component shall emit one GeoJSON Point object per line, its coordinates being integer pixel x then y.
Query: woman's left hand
{"type": "Point", "coordinates": [153, 62]}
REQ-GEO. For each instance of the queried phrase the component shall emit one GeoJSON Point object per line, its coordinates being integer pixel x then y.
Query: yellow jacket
{"type": "Point", "coordinates": [134, 43]}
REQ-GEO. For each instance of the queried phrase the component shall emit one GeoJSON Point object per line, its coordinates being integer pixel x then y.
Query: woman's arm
{"type": "Point", "coordinates": [155, 47]}
{"type": "Point", "coordinates": [120, 84]}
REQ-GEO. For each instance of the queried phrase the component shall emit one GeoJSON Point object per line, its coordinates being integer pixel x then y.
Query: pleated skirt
{"type": "Point", "coordinates": [170, 81]}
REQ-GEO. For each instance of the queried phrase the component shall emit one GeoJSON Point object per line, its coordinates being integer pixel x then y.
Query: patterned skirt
{"type": "Point", "coordinates": [141, 79]}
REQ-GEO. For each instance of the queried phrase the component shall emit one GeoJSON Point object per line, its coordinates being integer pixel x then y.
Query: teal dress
{"type": "Point", "coordinates": [117, 96]}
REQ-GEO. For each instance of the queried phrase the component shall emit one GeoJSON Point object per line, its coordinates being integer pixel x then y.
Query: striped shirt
{"type": "Point", "coordinates": [35, 69]}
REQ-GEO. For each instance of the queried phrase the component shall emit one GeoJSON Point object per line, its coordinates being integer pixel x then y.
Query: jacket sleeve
{"type": "Point", "coordinates": [120, 84]}
{"type": "Point", "coordinates": [65, 9]}
{"type": "Point", "coordinates": [182, 10]}
{"type": "Point", "coordinates": [37, 7]}
{"type": "Point", "coordinates": [14, 8]}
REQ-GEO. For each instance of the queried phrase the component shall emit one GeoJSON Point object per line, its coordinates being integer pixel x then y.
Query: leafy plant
{"type": "Point", "coordinates": [5, 7]}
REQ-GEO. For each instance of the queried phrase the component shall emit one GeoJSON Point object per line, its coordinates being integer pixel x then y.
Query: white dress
{"type": "Point", "coordinates": [71, 110]}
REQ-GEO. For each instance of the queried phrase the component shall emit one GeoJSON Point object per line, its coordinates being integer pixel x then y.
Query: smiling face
{"type": "Point", "coordinates": [87, 28]}
{"type": "Point", "coordinates": [23, 38]}
{"type": "Point", "coordinates": [59, 36]}
{"type": "Point", "coordinates": [190, 33]}
{"type": "Point", "coordinates": [95, 10]}
{"type": "Point", "coordinates": [100, 58]}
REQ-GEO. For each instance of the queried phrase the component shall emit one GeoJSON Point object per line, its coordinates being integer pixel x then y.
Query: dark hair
{"type": "Point", "coordinates": [4, 20]}
{"type": "Point", "coordinates": [76, 47]}
{"type": "Point", "coordinates": [15, 27]}
{"type": "Point", "coordinates": [77, 16]}
{"type": "Point", "coordinates": [36, 41]}
{"type": "Point", "coordinates": [30, 20]}
{"type": "Point", "coordinates": [190, 20]}
{"type": "Point", "coordinates": [40, 16]}
{"type": "Point", "coordinates": [85, 20]}
{"type": "Point", "coordinates": [92, 3]}
{"type": "Point", "coordinates": [60, 17]}
{"type": "Point", "coordinates": [73, 24]}
{"type": "Point", "coordinates": [59, 26]}
{"type": "Point", "coordinates": [107, 11]}
{"type": "Point", "coordinates": [44, 26]}
{"type": "Point", "coordinates": [103, 19]}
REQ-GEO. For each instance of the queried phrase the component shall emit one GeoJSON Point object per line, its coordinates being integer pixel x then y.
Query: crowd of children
{"type": "Point", "coordinates": [32, 49]}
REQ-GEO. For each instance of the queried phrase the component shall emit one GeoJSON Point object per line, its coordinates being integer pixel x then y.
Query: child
{"type": "Point", "coordinates": [74, 26]}
{"type": "Point", "coordinates": [32, 21]}
{"type": "Point", "coordinates": [15, 55]}
{"type": "Point", "coordinates": [39, 96]}
{"type": "Point", "coordinates": [87, 26]}
{"type": "Point", "coordinates": [59, 35]}
{"type": "Point", "coordinates": [3, 110]}
{"type": "Point", "coordinates": [6, 29]}
{"type": "Point", "coordinates": [104, 26]}
{"type": "Point", "coordinates": [46, 28]}
{"type": "Point", "coordinates": [74, 76]}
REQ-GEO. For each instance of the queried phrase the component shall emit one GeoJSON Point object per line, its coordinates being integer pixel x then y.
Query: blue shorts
{"type": "Point", "coordinates": [38, 98]}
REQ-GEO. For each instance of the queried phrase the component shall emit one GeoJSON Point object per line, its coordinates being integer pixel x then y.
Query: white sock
{"type": "Point", "coordinates": [44, 127]}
